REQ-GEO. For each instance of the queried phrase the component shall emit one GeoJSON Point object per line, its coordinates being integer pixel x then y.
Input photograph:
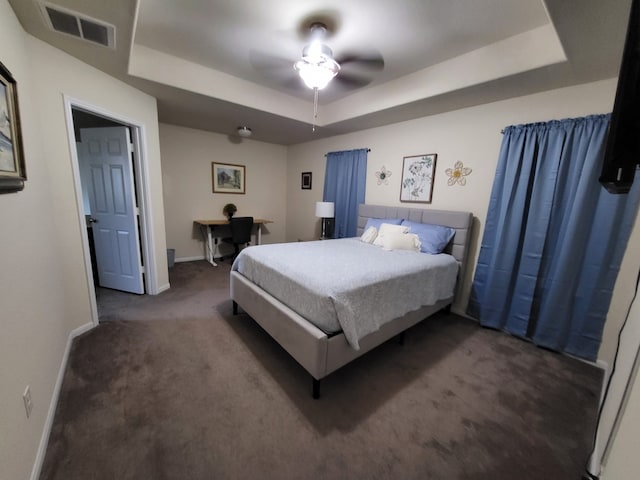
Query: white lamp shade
{"type": "Point", "coordinates": [325, 209]}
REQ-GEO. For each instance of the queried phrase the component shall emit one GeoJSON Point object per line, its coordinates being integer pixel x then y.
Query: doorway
{"type": "Point", "coordinates": [81, 116]}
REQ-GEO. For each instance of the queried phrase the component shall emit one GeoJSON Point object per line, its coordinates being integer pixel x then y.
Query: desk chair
{"type": "Point", "coordinates": [241, 228]}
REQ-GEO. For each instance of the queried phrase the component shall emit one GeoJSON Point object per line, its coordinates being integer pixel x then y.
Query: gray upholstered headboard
{"type": "Point", "coordinates": [461, 221]}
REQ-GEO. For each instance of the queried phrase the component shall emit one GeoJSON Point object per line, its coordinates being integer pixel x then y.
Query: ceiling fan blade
{"type": "Point", "coordinates": [294, 83]}
{"type": "Point", "coordinates": [276, 72]}
{"type": "Point", "coordinates": [351, 80]}
{"type": "Point", "coordinates": [266, 61]}
{"type": "Point", "coordinates": [372, 61]}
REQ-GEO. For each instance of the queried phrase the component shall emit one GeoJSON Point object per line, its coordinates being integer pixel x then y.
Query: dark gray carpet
{"type": "Point", "coordinates": [175, 387]}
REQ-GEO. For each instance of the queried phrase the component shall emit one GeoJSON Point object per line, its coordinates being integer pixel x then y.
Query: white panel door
{"type": "Point", "coordinates": [105, 157]}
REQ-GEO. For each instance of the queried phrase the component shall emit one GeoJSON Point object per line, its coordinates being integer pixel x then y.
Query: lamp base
{"type": "Point", "coordinates": [327, 228]}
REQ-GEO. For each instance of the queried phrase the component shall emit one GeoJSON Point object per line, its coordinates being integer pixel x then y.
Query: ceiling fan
{"type": "Point", "coordinates": [318, 67]}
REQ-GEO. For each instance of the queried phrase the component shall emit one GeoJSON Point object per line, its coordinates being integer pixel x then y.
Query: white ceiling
{"type": "Point", "coordinates": [217, 64]}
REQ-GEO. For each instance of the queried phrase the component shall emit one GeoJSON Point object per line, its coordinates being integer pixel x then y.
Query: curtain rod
{"type": "Point", "coordinates": [368, 150]}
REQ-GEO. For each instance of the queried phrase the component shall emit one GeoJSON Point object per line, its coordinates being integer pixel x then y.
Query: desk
{"type": "Point", "coordinates": [210, 226]}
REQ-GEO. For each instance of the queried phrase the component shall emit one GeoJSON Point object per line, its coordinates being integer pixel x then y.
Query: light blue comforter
{"type": "Point", "coordinates": [346, 284]}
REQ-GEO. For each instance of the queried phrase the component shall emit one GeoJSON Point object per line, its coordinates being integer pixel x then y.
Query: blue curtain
{"type": "Point", "coordinates": [554, 237]}
{"type": "Point", "coordinates": [344, 185]}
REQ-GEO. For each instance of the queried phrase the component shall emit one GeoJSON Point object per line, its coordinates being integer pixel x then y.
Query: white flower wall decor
{"type": "Point", "coordinates": [457, 174]}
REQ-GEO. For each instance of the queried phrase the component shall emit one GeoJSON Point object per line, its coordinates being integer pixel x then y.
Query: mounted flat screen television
{"type": "Point", "coordinates": [622, 154]}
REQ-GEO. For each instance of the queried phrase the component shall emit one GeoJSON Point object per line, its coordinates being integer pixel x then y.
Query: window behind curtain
{"type": "Point", "coordinates": [344, 185]}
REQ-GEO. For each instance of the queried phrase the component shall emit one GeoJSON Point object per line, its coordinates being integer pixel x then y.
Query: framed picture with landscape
{"type": "Point", "coordinates": [228, 178]}
{"type": "Point", "coordinates": [417, 178]}
{"type": "Point", "coordinates": [12, 165]}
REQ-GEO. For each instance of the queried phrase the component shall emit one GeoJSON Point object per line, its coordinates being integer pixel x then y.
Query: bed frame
{"type": "Point", "coordinates": [319, 353]}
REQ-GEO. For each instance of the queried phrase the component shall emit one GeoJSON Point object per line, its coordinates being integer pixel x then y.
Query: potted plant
{"type": "Point", "coordinates": [229, 210]}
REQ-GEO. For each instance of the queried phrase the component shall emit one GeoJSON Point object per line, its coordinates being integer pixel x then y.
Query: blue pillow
{"type": "Point", "coordinates": [376, 222]}
{"type": "Point", "coordinates": [434, 238]}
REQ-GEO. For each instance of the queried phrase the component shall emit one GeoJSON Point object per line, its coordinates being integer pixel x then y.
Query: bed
{"type": "Point", "coordinates": [319, 343]}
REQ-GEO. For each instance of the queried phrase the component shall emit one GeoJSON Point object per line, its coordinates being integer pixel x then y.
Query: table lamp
{"type": "Point", "coordinates": [325, 211]}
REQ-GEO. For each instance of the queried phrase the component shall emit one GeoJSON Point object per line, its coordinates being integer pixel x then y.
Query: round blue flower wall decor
{"type": "Point", "coordinates": [383, 176]}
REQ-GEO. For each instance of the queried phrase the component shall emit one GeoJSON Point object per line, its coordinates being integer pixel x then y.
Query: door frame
{"type": "Point", "coordinates": [142, 183]}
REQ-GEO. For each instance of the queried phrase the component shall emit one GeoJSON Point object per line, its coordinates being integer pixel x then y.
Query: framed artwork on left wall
{"type": "Point", "coordinates": [12, 165]}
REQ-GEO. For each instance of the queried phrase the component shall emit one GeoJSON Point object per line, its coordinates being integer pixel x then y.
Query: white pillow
{"type": "Point", "coordinates": [386, 228]}
{"type": "Point", "coordinates": [369, 235]}
{"type": "Point", "coordinates": [401, 241]}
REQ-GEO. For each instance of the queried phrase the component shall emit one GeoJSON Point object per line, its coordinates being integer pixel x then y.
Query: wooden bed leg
{"type": "Point", "coordinates": [235, 308]}
{"type": "Point", "coordinates": [316, 388]}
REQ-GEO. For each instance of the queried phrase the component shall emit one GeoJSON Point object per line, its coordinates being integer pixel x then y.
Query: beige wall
{"type": "Point", "coordinates": [186, 171]}
{"type": "Point", "coordinates": [45, 293]}
{"type": "Point", "coordinates": [470, 135]}
{"type": "Point", "coordinates": [68, 76]}
{"type": "Point", "coordinates": [34, 324]}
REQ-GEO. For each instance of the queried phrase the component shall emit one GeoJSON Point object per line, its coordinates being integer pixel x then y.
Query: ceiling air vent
{"type": "Point", "coordinates": [78, 25]}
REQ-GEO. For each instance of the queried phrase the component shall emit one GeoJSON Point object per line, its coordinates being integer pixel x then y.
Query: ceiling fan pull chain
{"type": "Point", "coordinates": [315, 108]}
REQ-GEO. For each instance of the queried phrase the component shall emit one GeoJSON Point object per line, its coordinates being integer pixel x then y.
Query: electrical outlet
{"type": "Point", "coordinates": [26, 398]}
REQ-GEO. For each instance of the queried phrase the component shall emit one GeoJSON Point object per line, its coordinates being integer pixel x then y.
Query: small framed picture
{"type": "Point", "coordinates": [12, 164]}
{"type": "Point", "coordinates": [306, 181]}
{"type": "Point", "coordinates": [228, 178]}
{"type": "Point", "coordinates": [417, 178]}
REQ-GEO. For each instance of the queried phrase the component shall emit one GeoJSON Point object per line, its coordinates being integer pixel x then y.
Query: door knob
{"type": "Point", "coordinates": [92, 220]}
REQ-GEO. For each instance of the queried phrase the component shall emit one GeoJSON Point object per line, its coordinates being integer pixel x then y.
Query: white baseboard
{"type": "Point", "coordinates": [189, 259]}
{"type": "Point", "coordinates": [595, 468]}
{"type": "Point", "coordinates": [163, 288]}
{"type": "Point", "coordinates": [601, 364]}
{"type": "Point", "coordinates": [604, 366]}
{"type": "Point", "coordinates": [48, 424]}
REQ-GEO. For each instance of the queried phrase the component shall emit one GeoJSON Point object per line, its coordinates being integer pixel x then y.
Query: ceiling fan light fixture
{"type": "Point", "coordinates": [317, 52]}
{"type": "Point", "coordinates": [244, 131]}
{"type": "Point", "coordinates": [317, 67]}
{"type": "Point", "coordinates": [317, 75]}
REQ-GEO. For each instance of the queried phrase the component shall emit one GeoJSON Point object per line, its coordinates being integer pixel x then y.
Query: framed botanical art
{"type": "Point", "coordinates": [417, 178]}
{"type": "Point", "coordinates": [12, 165]}
{"type": "Point", "coordinates": [306, 181]}
{"type": "Point", "coordinates": [228, 178]}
